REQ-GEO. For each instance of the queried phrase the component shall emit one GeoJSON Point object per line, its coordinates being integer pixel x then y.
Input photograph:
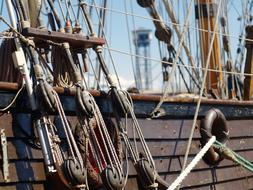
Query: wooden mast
{"type": "Point", "coordinates": [248, 80]}
{"type": "Point", "coordinates": [206, 11]}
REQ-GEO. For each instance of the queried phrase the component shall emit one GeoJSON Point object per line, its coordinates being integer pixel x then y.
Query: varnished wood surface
{"type": "Point", "coordinates": [75, 40]}
{"type": "Point", "coordinates": [173, 107]}
{"type": "Point", "coordinates": [6, 87]}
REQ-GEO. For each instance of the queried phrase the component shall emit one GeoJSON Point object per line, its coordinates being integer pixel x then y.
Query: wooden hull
{"type": "Point", "coordinates": [166, 137]}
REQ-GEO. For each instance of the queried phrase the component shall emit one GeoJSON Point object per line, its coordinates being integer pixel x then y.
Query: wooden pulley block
{"type": "Point", "coordinates": [74, 173]}
{"type": "Point", "coordinates": [145, 3]}
{"type": "Point", "coordinates": [112, 178]}
{"type": "Point", "coordinates": [163, 34]}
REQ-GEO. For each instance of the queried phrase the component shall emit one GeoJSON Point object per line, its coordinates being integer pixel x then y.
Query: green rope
{"type": "Point", "coordinates": [231, 155]}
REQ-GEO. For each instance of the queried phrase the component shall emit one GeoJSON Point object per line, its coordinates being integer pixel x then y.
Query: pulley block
{"type": "Point", "coordinates": [163, 34]}
{"type": "Point", "coordinates": [45, 90]}
{"type": "Point", "coordinates": [146, 173]}
{"type": "Point", "coordinates": [120, 101]}
{"type": "Point", "coordinates": [145, 3]}
{"type": "Point", "coordinates": [73, 172]}
{"type": "Point", "coordinates": [84, 102]}
{"type": "Point", "coordinates": [112, 178]}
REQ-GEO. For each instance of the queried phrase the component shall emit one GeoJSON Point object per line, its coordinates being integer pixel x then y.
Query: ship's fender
{"type": "Point", "coordinates": [214, 123]}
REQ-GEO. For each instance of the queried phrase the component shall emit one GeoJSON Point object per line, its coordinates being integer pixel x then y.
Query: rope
{"type": "Point", "coordinates": [175, 60]}
{"type": "Point", "coordinates": [23, 38]}
{"type": "Point", "coordinates": [193, 163]}
{"type": "Point", "coordinates": [187, 50]}
{"type": "Point", "coordinates": [172, 23]}
{"type": "Point", "coordinates": [107, 44]}
{"type": "Point", "coordinates": [231, 155]}
{"type": "Point", "coordinates": [14, 99]}
{"type": "Point", "coordinates": [179, 64]}
{"type": "Point", "coordinates": [202, 89]}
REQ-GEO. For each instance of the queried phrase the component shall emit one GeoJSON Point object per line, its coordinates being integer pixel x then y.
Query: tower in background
{"type": "Point", "coordinates": [143, 73]}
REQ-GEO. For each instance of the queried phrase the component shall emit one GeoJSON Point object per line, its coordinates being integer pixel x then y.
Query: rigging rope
{"type": "Point", "coordinates": [172, 23]}
{"type": "Point", "coordinates": [193, 163]}
{"type": "Point", "coordinates": [231, 155]}
{"type": "Point", "coordinates": [180, 64]}
{"type": "Point", "coordinates": [202, 89]}
{"type": "Point", "coordinates": [187, 50]}
{"type": "Point", "coordinates": [175, 60]}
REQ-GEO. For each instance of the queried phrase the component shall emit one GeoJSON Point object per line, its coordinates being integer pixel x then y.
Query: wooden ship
{"type": "Point", "coordinates": [56, 133]}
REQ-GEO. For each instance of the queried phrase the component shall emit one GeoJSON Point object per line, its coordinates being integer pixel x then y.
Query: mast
{"type": "Point", "coordinates": [205, 14]}
{"type": "Point", "coordinates": [248, 80]}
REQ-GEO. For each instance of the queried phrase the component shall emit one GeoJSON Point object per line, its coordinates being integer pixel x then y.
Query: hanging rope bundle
{"type": "Point", "coordinates": [62, 76]}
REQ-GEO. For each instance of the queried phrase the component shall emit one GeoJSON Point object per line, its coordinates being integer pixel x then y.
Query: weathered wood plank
{"type": "Point", "coordinates": [178, 148]}
{"type": "Point", "coordinates": [174, 164]}
{"type": "Point", "coordinates": [152, 129]}
{"type": "Point", "coordinates": [204, 184]}
{"type": "Point", "coordinates": [179, 108]}
{"type": "Point", "coordinates": [23, 171]}
{"type": "Point", "coordinates": [208, 177]}
{"type": "Point", "coordinates": [19, 149]}
{"type": "Point", "coordinates": [22, 186]}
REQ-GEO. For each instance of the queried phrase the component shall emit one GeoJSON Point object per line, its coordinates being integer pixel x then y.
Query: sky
{"type": "Point", "coordinates": [118, 36]}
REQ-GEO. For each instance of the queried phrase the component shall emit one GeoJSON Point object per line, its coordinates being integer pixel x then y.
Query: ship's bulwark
{"type": "Point", "coordinates": [166, 138]}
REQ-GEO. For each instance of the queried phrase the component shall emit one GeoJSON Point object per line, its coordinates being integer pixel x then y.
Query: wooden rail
{"type": "Point", "coordinates": [75, 40]}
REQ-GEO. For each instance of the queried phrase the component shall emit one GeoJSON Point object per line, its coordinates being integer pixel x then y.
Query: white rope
{"type": "Point", "coordinates": [193, 163]}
